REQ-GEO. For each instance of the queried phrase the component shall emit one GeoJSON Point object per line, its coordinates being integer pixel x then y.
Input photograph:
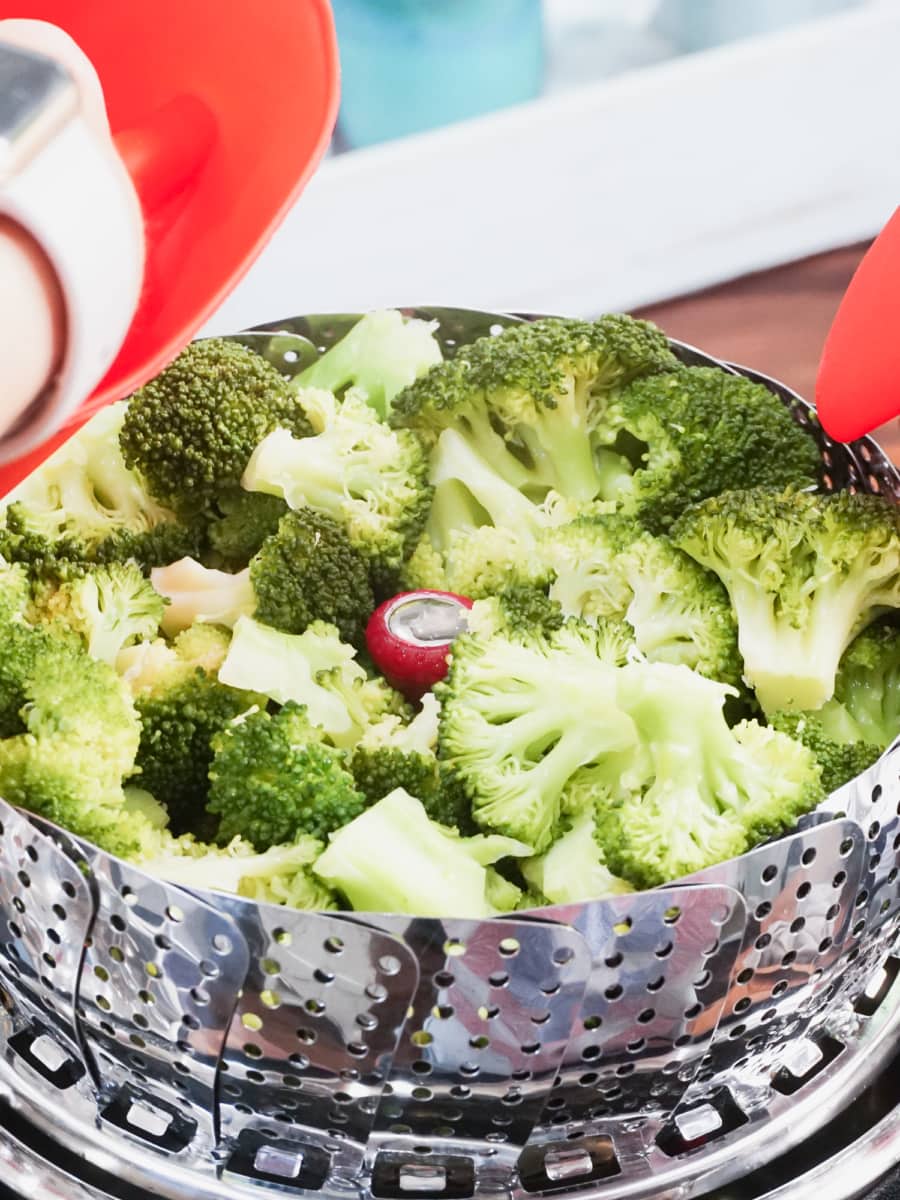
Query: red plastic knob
{"type": "Point", "coordinates": [409, 638]}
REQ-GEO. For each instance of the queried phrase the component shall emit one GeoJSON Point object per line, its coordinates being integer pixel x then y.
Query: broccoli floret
{"type": "Point", "coordinates": [369, 478]}
{"type": "Point", "coordinates": [242, 523]}
{"type": "Point", "coordinates": [573, 869]}
{"type": "Point", "coordinates": [392, 858]}
{"type": "Point", "coordinates": [273, 780]}
{"type": "Point", "coordinates": [280, 875]}
{"type": "Point", "coordinates": [839, 761]}
{"type": "Point", "coordinates": [695, 792]}
{"type": "Point", "coordinates": [528, 401]}
{"type": "Point", "coordinates": [84, 505]}
{"type": "Point", "coordinates": [867, 688]}
{"type": "Point", "coordinates": [78, 740]}
{"type": "Point", "coordinates": [516, 611]}
{"type": "Point", "coordinates": [805, 573]}
{"type": "Point", "coordinates": [315, 669]}
{"type": "Point", "coordinates": [697, 432]}
{"type": "Point", "coordinates": [108, 607]}
{"type": "Point", "coordinates": [15, 593]}
{"type": "Point", "coordinates": [392, 754]}
{"type": "Point", "coordinates": [192, 429]}
{"type": "Point", "coordinates": [382, 354]}
{"type": "Point", "coordinates": [198, 595]}
{"type": "Point", "coordinates": [182, 706]}
{"type": "Point", "coordinates": [519, 718]}
{"type": "Point", "coordinates": [308, 571]}
{"type": "Point", "coordinates": [680, 613]}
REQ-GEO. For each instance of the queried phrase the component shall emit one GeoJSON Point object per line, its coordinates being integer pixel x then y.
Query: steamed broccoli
{"type": "Point", "coordinates": [182, 706]}
{"type": "Point", "coordinates": [680, 613]}
{"type": "Point", "coordinates": [108, 606]}
{"type": "Point", "coordinates": [198, 595]}
{"type": "Point", "coordinates": [519, 717]}
{"type": "Point", "coordinates": [392, 858]}
{"type": "Point", "coordinates": [517, 611]}
{"type": "Point", "coordinates": [273, 780]}
{"type": "Point", "coordinates": [280, 875]}
{"type": "Point", "coordinates": [573, 868]}
{"type": "Point", "coordinates": [866, 704]}
{"type": "Point", "coordinates": [84, 505]}
{"type": "Point", "coordinates": [383, 353]}
{"type": "Point", "coordinates": [78, 740]}
{"type": "Point", "coordinates": [241, 523]}
{"type": "Point", "coordinates": [805, 573]}
{"type": "Point", "coordinates": [192, 429]}
{"type": "Point", "coordinates": [393, 754]}
{"type": "Point", "coordinates": [367, 477]}
{"type": "Point", "coordinates": [697, 432]}
{"type": "Point", "coordinates": [839, 760]}
{"type": "Point", "coordinates": [315, 669]}
{"type": "Point", "coordinates": [308, 571]}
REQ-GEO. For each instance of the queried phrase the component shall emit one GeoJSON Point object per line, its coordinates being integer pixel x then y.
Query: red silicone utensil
{"type": "Point", "coordinates": [858, 386]}
{"type": "Point", "coordinates": [222, 112]}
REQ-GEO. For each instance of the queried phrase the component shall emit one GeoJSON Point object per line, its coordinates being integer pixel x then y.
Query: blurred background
{"type": "Point", "coordinates": [717, 164]}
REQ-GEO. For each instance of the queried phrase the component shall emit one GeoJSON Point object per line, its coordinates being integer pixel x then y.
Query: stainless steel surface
{"type": "Point", "coordinates": [229, 1045]}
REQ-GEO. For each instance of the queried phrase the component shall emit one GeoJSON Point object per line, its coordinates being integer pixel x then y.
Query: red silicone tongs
{"type": "Point", "coordinates": [858, 386]}
{"type": "Point", "coordinates": [221, 112]}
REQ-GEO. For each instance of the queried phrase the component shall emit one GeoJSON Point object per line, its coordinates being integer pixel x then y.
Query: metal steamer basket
{"type": "Point", "coordinates": [162, 1042]}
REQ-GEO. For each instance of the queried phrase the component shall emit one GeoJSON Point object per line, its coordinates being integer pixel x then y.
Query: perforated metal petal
{"type": "Point", "coordinates": [315, 1031]}
{"type": "Point", "coordinates": [159, 984]}
{"type": "Point", "coordinates": [47, 907]}
{"type": "Point", "coordinates": [495, 1008]}
{"type": "Point", "coordinates": [662, 966]}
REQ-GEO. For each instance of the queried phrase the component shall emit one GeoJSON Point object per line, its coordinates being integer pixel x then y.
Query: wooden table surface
{"type": "Point", "coordinates": [775, 321]}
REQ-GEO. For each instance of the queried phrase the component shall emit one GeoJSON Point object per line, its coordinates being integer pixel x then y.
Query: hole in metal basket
{"type": "Point", "coordinates": [878, 987]}
{"type": "Point", "coordinates": [802, 1060]}
{"type": "Point", "coordinates": [702, 1123]}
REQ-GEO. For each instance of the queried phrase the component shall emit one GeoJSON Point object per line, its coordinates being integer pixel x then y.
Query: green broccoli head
{"type": "Point", "coordinates": [573, 869]}
{"type": "Point", "coordinates": [694, 433]}
{"type": "Point", "coordinates": [368, 478]}
{"type": "Point", "coordinates": [529, 400]}
{"type": "Point", "coordinates": [192, 429]}
{"type": "Point", "coordinates": [315, 669]}
{"type": "Point", "coordinates": [273, 780]}
{"type": "Point", "coordinates": [805, 573]}
{"type": "Point", "coordinates": [83, 505]}
{"type": "Point", "coordinates": [15, 593]}
{"type": "Point", "coordinates": [382, 354]}
{"type": "Point", "coordinates": [680, 613]}
{"type": "Point", "coordinates": [392, 858]}
{"type": "Point", "coordinates": [107, 606]}
{"type": "Point", "coordinates": [867, 687]}
{"type": "Point", "coordinates": [396, 753]}
{"type": "Point", "coordinates": [839, 761]}
{"type": "Point", "coordinates": [695, 792]}
{"type": "Point", "coordinates": [182, 706]}
{"type": "Point", "coordinates": [308, 571]}
{"type": "Point", "coordinates": [241, 523]}
{"type": "Point", "coordinates": [518, 611]}
{"type": "Point", "coordinates": [520, 717]}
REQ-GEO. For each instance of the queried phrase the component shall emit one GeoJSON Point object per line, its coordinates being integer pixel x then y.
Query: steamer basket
{"type": "Point", "coordinates": [201, 1045]}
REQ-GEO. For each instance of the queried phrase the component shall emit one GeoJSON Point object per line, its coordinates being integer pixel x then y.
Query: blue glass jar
{"type": "Point", "coordinates": [413, 65]}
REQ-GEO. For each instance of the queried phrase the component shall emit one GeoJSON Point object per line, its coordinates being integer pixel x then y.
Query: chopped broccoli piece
{"type": "Point", "coordinates": [242, 523]}
{"type": "Point", "coordinates": [192, 429]}
{"type": "Point", "coordinates": [369, 478]}
{"type": "Point", "coordinates": [280, 875]}
{"type": "Point", "coordinates": [839, 761]}
{"type": "Point", "coordinates": [392, 754]}
{"type": "Point", "coordinates": [516, 611]}
{"type": "Point", "coordinates": [273, 780]}
{"type": "Point", "coordinates": [696, 432]}
{"type": "Point", "coordinates": [573, 868]}
{"type": "Point", "coordinates": [392, 858]}
{"type": "Point", "coordinates": [308, 571]}
{"type": "Point", "coordinates": [680, 613]}
{"type": "Point", "coordinates": [84, 505]}
{"type": "Point", "coordinates": [867, 688]}
{"type": "Point", "coordinates": [108, 606]}
{"type": "Point", "coordinates": [382, 354]}
{"type": "Point", "coordinates": [182, 706]}
{"type": "Point", "coordinates": [518, 718]}
{"type": "Point", "coordinates": [15, 593]}
{"type": "Point", "coordinates": [199, 595]}
{"type": "Point", "coordinates": [695, 792]}
{"type": "Point", "coordinates": [315, 669]}
{"type": "Point", "coordinates": [805, 573]}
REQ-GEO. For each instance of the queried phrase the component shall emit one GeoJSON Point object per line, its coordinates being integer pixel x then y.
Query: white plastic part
{"type": "Point", "coordinates": [77, 202]}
